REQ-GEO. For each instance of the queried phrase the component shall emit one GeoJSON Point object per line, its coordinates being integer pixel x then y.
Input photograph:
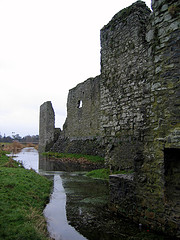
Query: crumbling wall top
{"type": "Point", "coordinates": [137, 7]}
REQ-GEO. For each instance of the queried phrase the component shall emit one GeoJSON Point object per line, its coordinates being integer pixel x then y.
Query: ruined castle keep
{"type": "Point", "coordinates": [130, 114]}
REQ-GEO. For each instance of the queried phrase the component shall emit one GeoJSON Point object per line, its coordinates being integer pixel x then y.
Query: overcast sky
{"type": "Point", "coordinates": [46, 48]}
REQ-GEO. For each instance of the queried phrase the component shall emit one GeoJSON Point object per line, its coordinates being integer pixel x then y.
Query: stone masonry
{"type": "Point", "coordinates": [124, 60]}
{"type": "Point", "coordinates": [130, 114]}
{"type": "Point", "coordinates": [46, 126]}
{"type": "Point", "coordinates": [83, 110]}
{"type": "Point", "coordinates": [81, 130]}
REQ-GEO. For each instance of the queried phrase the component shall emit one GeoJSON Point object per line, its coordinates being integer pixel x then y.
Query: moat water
{"type": "Point", "coordinates": [78, 207]}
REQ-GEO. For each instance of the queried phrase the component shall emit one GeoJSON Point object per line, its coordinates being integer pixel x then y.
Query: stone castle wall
{"type": "Point", "coordinates": [124, 85]}
{"type": "Point", "coordinates": [83, 110]}
{"type": "Point", "coordinates": [130, 113]}
{"type": "Point", "coordinates": [160, 167]}
{"type": "Point", "coordinates": [46, 126]}
{"type": "Point", "coordinates": [81, 131]}
{"type": "Point", "coordinates": [154, 137]}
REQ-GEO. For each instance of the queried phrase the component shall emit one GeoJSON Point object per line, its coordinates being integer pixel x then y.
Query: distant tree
{"type": "Point", "coordinates": [7, 139]}
{"type": "Point", "coordinates": [17, 137]}
{"type": "Point", "coordinates": [29, 139]}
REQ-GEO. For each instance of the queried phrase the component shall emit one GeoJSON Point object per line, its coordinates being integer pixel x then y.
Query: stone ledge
{"type": "Point", "coordinates": [123, 176]}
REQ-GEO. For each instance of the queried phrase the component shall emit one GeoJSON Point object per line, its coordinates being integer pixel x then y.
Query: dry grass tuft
{"type": "Point", "coordinates": [11, 163]}
{"type": "Point", "coordinates": [32, 145]}
{"type": "Point", "coordinates": [16, 146]}
{"type": "Point", "coordinates": [39, 221]}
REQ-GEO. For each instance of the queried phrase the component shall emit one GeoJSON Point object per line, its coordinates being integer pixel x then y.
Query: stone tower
{"type": "Point", "coordinates": [46, 126]}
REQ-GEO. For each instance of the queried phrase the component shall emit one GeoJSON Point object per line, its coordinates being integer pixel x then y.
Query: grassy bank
{"type": "Point", "coordinates": [104, 173]}
{"type": "Point", "coordinates": [94, 159]}
{"type": "Point", "coordinates": [23, 196]}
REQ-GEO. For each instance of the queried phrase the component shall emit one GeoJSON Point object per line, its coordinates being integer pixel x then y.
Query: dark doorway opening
{"type": "Point", "coordinates": [172, 176]}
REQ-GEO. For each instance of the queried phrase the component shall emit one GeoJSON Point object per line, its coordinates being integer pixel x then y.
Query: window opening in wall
{"type": "Point", "coordinates": [79, 104]}
{"type": "Point", "coordinates": [172, 174]}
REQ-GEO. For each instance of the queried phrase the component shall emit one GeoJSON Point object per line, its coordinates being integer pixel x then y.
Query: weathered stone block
{"type": "Point", "coordinates": [122, 189]}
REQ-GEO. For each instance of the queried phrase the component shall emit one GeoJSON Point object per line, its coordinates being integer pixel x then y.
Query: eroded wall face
{"type": "Point", "coordinates": [163, 137]}
{"type": "Point", "coordinates": [83, 110]}
{"type": "Point", "coordinates": [124, 86]}
{"type": "Point", "coordinates": [46, 127]}
{"type": "Point", "coordinates": [140, 115]}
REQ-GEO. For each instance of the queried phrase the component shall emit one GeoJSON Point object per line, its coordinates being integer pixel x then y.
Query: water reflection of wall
{"type": "Point", "coordinates": [45, 164]}
{"type": "Point", "coordinates": [51, 164]}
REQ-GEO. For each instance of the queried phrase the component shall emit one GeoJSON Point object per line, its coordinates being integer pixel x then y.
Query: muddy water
{"type": "Point", "coordinates": [78, 207]}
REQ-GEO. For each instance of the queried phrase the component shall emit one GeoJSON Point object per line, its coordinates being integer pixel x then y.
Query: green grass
{"type": "Point", "coordinates": [23, 196]}
{"type": "Point", "coordinates": [99, 173]}
{"type": "Point", "coordinates": [95, 159]}
{"type": "Point", "coordinates": [104, 173]}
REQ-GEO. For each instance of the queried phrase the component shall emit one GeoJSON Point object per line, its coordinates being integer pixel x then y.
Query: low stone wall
{"type": "Point", "coordinates": [122, 194]}
{"type": "Point", "coordinates": [88, 146]}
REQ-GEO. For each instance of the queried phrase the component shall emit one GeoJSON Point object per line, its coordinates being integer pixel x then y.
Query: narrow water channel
{"type": "Point", "coordinates": [55, 213]}
{"type": "Point", "coordinates": [78, 207]}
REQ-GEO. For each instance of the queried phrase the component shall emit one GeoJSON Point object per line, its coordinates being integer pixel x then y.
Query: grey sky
{"type": "Point", "coordinates": [46, 48]}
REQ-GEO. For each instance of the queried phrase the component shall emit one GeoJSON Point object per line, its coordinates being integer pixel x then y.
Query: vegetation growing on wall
{"type": "Point", "coordinates": [173, 10]}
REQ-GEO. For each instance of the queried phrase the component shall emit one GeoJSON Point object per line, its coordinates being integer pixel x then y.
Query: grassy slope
{"type": "Point", "coordinates": [104, 173]}
{"type": "Point", "coordinates": [99, 173]}
{"type": "Point", "coordinates": [23, 195]}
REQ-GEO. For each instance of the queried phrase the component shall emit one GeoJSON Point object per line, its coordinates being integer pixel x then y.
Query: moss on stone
{"type": "Point", "coordinates": [173, 10]}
